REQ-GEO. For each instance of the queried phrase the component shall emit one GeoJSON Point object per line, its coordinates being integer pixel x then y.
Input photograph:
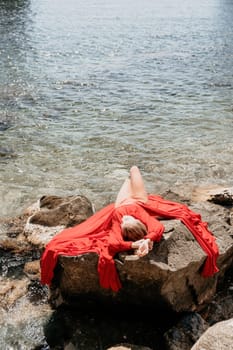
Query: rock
{"type": "Point", "coordinates": [24, 311]}
{"type": "Point", "coordinates": [220, 309]}
{"type": "Point", "coordinates": [41, 221]}
{"type": "Point", "coordinates": [56, 211]}
{"type": "Point", "coordinates": [128, 347]}
{"type": "Point", "coordinates": [70, 346]}
{"type": "Point", "coordinates": [186, 332]}
{"type": "Point", "coordinates": [6, 152]}
{"type": "Point", "coordinates": [32, 270]}
{"type": "Point", "coordinates": [103, 328]}
{"type": "Point", "coordinates": [22, 242]}
{"type": "Point", "coordinates": [224, 198]}
{"type": "Point", "coordinates": [12, 227]}
{"type": "Point", "coordinates": [11, 291]}
{"type": "Point", "coordinates": [221, 306]}
{"type": "Point", "coordinates": [217, 337]}
{"type": "Point", "coordinates": [52, 214]}
{"type": "Point", "coordinates": [39, 235]}
{"type": "Point", "coordinates": [3, 126]}
{"type": "Point", "coordinates": [25, 335]}
{"type": "Point", "coordinates": [168, 277]}
{"type": "Point", "coordinates": [214, 193]}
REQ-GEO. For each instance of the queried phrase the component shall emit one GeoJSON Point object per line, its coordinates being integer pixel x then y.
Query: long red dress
{"type": "Point", "coordinates": [101, 233]}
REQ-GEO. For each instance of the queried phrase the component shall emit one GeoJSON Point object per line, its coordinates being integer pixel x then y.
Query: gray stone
{"type": "Point", "coordinates": [186, 332]}
{"type": "Point", "coordinates": [217, 337]}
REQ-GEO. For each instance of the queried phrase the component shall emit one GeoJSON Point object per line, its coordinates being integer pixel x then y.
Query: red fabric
{"type": "Point", "coordinates": [101, 233]}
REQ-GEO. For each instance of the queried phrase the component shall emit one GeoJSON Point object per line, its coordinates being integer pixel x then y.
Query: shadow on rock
{"type": "Point", "coordinates": [100, 329]}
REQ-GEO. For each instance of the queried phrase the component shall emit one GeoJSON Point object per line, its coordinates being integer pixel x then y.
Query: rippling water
{"type": "Point", "coordinates": [89, 88]}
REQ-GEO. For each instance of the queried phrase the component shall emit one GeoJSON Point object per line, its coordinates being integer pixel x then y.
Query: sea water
{"type": "Point", "coordinates": [90, 88]}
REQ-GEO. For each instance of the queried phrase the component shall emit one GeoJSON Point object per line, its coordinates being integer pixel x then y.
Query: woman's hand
{"type": "Point", "coordinates": [136, 244]}
{"type": "Point", "coordinates": [143, 246]}
{"type": "Point", "coordinates": [151, 243]}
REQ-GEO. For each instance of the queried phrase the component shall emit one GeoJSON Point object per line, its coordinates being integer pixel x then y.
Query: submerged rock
{"type": "Point", "coordinates": [11, 291]}
{"type": "Point", "coordinates": [23, 314]}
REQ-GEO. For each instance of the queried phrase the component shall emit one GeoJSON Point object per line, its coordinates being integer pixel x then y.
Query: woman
{"type": "Point", "coordinates": [130, 223]}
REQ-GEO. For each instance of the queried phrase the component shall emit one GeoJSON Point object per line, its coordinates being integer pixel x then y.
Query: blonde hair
{"type": "Point", "coordinates": [132, 229]}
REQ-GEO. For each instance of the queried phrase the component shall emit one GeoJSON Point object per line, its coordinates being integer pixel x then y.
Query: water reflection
{"type": "Point", "coordinates": [14, 16]}
{"type": "Point", "coordinates": [14, 46]}
{"type": "Point", "coordinates": [13, 13]}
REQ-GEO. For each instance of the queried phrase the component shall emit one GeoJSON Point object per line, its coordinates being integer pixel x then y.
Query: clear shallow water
{"type": "Point", "coordinates": [88, 89]}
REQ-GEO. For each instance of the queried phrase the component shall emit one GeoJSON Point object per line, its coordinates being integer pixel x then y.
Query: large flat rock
{"type": "Point", "coordinates": [169, 276]}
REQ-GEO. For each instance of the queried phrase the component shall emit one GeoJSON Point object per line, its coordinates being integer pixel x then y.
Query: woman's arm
{"type": "Point", "coordinates": [117, 244]}
{"type": "Point", "coordinates": [154, 227]}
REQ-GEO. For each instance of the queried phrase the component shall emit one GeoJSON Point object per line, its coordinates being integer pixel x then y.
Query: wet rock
{"type": "Point", "coordinates": [39, 235]}
{"type": "Point", "coordinates": [51, 214]}
{"type": "Point", "coordinates": [6, 152]}
{"type": "Point", "coordinates": [4, 125]}
{"type": "Point", "coordinates": [32, 270]}
{"type": "Point", "coordinates": [221, 306]}
{"type": "Point", "coordinates": [41, 221]}
{"type": "Point", "coordinates": [220, 309]}
{"type": "Point", "coordinates": [214, 193]}
{"type": "Point", "coordinates": [224, 198]}
{"type": "Point", "coordinates": [12, 227]}
{"type": "Point", "coordinates": [37, 293]}
{"type": "Point", "coordinates": [24, 310]}
{"type": "Point", "coordinates": [219, 336]}
{"type": "Point", "coordinates": [186, 332]}
{"type": "Point", "coordinates": [68, 211]}
{"type": "Point", "coordinates": [21, 294]}
{"type": "Point", "coordinates": [24, 331]}
{"type": "Point", "coordinates": [11, 291]}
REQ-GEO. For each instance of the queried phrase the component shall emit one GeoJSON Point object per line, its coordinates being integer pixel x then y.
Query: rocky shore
{"type": "Point", "coordinates": [164, 302]}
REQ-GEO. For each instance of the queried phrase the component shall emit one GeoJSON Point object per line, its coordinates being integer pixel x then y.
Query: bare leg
{"type": "Point", "coordinates": [133, 188]}
{"type": "Point", "coordinates": [124, 193]}
{"type": "Point", "coordinates": [138, 189]}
